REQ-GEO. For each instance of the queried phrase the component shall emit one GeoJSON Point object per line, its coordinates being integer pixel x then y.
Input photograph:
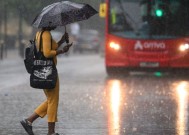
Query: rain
{"type": "Point", "coordinates": [126, 72]}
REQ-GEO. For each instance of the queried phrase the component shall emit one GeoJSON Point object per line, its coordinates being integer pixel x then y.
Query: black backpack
{"type": "Point", "coordinates": [30, 53]}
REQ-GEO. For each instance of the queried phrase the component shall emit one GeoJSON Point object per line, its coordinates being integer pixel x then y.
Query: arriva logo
{"type": "Point", "coordinates": [138, 46]}
{"type": "Point", "coordinates": [149, 45]}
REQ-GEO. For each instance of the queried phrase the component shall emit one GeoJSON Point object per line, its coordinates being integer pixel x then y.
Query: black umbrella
{"type": "Point", "coordinates": [63, 13]}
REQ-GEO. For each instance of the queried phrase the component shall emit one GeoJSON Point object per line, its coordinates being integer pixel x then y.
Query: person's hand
{"type": "Point", "coordinates": [66, 37]}
{"type": "Point", "coordinates": [66, 48]}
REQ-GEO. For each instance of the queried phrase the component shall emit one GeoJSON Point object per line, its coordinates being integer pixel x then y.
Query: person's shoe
{"type": "Point", "coordinates": [27, 127]}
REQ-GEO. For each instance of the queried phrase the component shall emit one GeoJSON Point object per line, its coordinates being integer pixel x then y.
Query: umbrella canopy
{"type": "Point", "coordinates": [63, 13]}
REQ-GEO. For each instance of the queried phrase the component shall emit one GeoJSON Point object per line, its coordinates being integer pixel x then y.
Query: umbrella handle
{"type": "Point", "coordinates": [67, 40]}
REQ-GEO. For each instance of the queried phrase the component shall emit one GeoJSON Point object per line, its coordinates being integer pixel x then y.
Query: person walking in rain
{"type": "Point", "coordinates": [56, 14]}
{"type": "Point", "coordinates": [50, 106]}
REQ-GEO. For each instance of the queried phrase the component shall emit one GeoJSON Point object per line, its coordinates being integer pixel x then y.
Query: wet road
{"type": "Point", "coordinates": [93, 104]}
{"type": "Point", "coordinates": [147, 106]}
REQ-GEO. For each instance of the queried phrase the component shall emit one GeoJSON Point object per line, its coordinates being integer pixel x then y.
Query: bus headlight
{"type": "Point", "coordinates": [115, 46]}
{"type": "Point", "coordinates": [184, 47]}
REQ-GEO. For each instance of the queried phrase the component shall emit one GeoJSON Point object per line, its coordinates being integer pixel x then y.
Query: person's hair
{"type": "Point", "coordinates": [48, 28]}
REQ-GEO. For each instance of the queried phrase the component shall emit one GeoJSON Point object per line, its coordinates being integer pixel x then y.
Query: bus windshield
{"type": "Point", "coordinates": [144, 19]}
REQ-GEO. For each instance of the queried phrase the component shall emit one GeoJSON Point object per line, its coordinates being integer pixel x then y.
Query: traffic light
{"type": "Point", "coordinates": [160, 8]}
{"type": "Point", "coordinates": [159, 12]}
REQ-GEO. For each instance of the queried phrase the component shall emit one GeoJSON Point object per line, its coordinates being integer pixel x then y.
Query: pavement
{"type": "Point", "coordinates": [81, 110]}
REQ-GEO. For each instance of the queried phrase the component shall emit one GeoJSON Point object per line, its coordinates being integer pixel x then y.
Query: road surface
{"type": "Point", "coordinates": [93, 104]}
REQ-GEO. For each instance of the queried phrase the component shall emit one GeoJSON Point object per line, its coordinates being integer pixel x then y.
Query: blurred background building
{"type": "Point", "coordinates": [16, 17]}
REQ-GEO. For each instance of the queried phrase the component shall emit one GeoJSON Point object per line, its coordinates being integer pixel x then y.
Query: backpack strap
{"type": "Point", "coordinates": [34, 46]}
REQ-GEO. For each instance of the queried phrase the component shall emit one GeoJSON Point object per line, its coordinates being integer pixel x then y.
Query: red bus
{"type": "Point", "coordinates": [147, 35]}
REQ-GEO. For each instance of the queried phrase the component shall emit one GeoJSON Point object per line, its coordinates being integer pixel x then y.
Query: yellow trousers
{"type": "Point", "coordinates": [50, 106]}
